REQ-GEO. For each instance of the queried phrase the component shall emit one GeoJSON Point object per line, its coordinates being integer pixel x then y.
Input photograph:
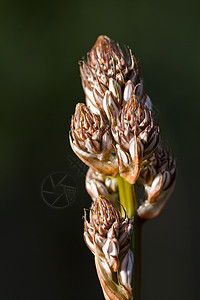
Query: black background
{"type": "Point", "coordinates": [43, 255]}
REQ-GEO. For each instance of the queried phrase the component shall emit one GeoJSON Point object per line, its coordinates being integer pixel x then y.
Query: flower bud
{"type": "Point", "coordinates": [131, 90]}
{"type": "Point", "coordinates": [101, 185]}
{"type": "Point", "coordinates": [136, 136]}
{"type": "Point", "coordinates": [158, 178]}
{"type": "Point", "coordinates": [126, 269]}
{"type": "Point", "coordinates": [109, 61]}
{"type": "Point", "coordinates": [109, 69]}
{"type": "Point", "coordinates": [91, 140]}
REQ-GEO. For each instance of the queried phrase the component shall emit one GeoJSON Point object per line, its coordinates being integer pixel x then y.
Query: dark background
{"type": "Point", "coordinates": [43, 255]}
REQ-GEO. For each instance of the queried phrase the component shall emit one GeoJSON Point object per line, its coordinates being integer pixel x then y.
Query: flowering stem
{"type": "Point", "coordinates": [130, 195]}
{"type": "Point", "coordinates": [122, 194]}
{"type": "Point", "coordinates": [128, 201]}
{"type": "Point", "coordinates": [126, 195]}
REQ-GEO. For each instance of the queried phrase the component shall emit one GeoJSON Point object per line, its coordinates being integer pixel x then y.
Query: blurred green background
{"type": "Point", "coordinates": [43, 255]}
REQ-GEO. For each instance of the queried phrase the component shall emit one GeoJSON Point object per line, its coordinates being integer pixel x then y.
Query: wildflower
{"type": "Point", "coordinates": [116, 136]}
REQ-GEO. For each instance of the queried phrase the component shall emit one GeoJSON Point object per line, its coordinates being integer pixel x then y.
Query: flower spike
{"type": "Point", "coordinates": [116, 136]}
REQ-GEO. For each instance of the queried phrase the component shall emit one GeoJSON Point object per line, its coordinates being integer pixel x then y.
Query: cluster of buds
{"type": "Point", "coordinates": [110, 76]}
{"type": "Point", "coordinates": [91, 140]}
{"type": "Point", "coordinates": [115, 135]}
{"type": "Point", "coordinates": [108, 236]}
{"type": "Point", "coordinates": [135, 135]}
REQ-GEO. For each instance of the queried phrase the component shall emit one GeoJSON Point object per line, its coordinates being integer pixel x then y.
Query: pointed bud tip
{"type": "Point", "coordinates": [102, 39]}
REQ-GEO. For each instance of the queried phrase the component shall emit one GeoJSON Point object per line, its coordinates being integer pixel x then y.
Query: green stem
{"type": "Point", "coordinates": [126, 196]}
{"type": "Point", "coordinates": [130, 198]}
{"type": "Point", "coordinates": [122, 194]}
{"type": "Point", "coordinates": [128, 201]}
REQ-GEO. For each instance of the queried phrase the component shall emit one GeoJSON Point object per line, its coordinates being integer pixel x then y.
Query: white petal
{"type": "Point", "coordinates": [122, 156]}
{"type": "Point", "coordinates": [109, 106]}
{"type": "Point", "coordinates": [126, 269]}
{"type": "Point", "coordinates": [115, 88]}
{"type": "Point", "coordinates": [128, 90]}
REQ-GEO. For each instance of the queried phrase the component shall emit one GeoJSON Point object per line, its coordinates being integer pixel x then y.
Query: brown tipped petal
{"type": "Point", "coordinates": [106, 144]}
{"type": "Point", "coordinates": [152, 144]}
{"type": "Point", "coordinates": [128, 168]}
{"type": "Point", "coordinates": [90, 101]}
{"type": "Point", "coordinates": [157, 200]}
{"type": "Point", "coordinates": [89, 242]}
{"type": "Point", "coordinates": [125, 237]}
{"type": "Point", "coordinates": [92, 107]}
{"type": "Point", "coordinates": [111, 252]}
{"type": "Point", "coordinates": [109, 106]}
{"type": "Point", "coordinates": [126, 269]}
{"type": "Point", "coordinates": [88, 234]}
{"type": "Point", "coordinates": [111, 249]}
{"type": "Point", "coordinates": [95, 189]}
{"type": "Point", "coordinates": [143, 136]}
{"type": "Point", "coordinates": [115, 89]}
{"type": "Point", "coordinates": [128, 90]}
{"type": "Point", "coordinates": [154, 190]}
{"type": "Point", "coordinates": [99, 240]}
{"type": "Point", "coordinates": [134, 151]}
{"type": "Point", "coordinates": [123, 157]}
